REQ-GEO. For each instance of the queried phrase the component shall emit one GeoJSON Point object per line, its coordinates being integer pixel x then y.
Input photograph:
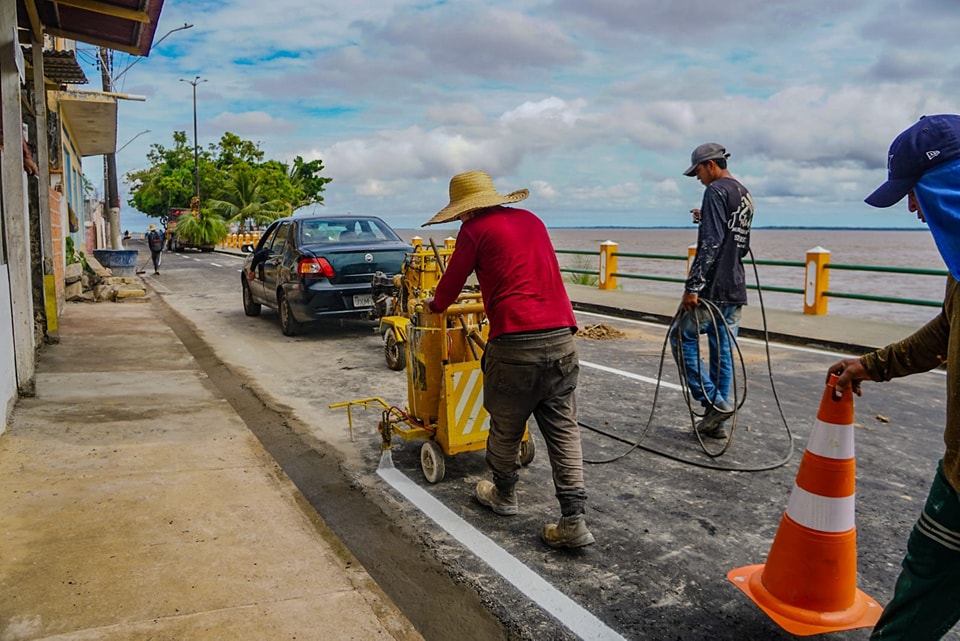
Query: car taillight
{"type": "Point", "coordinates": [315, 267]}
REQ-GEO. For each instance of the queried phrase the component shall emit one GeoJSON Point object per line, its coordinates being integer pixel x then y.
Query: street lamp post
{"type": "Point", "coordinates": [196, 157]}
{"type": "Point", "coordinates": [145, 131]}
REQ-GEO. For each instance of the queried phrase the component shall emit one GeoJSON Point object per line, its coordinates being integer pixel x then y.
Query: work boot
{"type": "Point", "coordinates": [503, 504]}
{"type": "Point", "coordinates": [568, 532]}
{"type": "Point", "coordinates": [712, 424]}
{"type": "Point", "coordinates": [717, 431]}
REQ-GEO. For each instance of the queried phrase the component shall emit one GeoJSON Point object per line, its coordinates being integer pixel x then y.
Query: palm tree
{"type": "Point", "coordinates": [205, 230]}
{"type": "Point", "coordinates": [241, 200]}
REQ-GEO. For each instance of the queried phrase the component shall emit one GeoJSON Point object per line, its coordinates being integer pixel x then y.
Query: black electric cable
{"type": "Point", "coordinates": [738, 403]}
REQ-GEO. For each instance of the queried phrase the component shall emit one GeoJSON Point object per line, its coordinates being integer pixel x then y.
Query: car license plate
{"type": "Point", "coordinates": [363, 300]}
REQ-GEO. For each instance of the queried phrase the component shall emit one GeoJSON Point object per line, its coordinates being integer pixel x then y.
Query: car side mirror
{"type": "Point", "coordinates": [246, 249]}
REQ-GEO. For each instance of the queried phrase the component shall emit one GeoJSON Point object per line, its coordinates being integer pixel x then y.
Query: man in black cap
{"type": "Point", "coordinates": [715, 289]}
{"type": "Point", "coordinates": [924, 165]}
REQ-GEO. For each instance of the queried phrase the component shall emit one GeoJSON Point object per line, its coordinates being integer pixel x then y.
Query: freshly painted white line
{"type": "Point", "coordinates": [636, 377]}
{"type": "Point", "coordinates": [535, 587]}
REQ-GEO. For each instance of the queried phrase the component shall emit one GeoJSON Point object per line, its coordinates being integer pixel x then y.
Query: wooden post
{"type": "Point", "coordinates": [817, 281]}
{"type": "Point", "coordinates": [16, 224]}
{"type": "Point", "coordinates": [608, 265]}
{"type": "Point", "coordinates": [51, 307]}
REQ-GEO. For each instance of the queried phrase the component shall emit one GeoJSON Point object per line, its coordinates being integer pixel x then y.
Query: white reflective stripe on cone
{"type": "Point", "coordinates": [831, 441]}
{"type": "Point", "coordinates": [821, 513]}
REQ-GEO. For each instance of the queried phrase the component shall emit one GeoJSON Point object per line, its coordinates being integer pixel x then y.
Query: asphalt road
{"type": "Point", "coordinates": [668, 527]}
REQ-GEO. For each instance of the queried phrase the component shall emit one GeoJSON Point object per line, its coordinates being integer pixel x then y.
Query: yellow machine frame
{"type": "Point", "coordinates": [444, 379]}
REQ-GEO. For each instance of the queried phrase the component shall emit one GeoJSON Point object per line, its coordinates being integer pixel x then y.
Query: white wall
{"type": "Point", "coordinates": [8, 369]}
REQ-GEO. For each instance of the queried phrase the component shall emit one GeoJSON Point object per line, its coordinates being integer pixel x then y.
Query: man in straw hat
{"type": "Point", "coordinates": [716, 288]}
{"type": "Point", "coordinates": [530, 364]}
{"type": "Point", "coordinates": [923, 164]}
{"type": "Point", "coordinates": [155, 243]}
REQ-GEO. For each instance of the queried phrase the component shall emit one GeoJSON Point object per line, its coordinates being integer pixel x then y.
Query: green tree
{"type": "Point", "coordinates": [235, 181]}
{"type": "Point", "coordinates": [242, 200]}
{"type": "Point", "coordinates": [307, 181]}
{"type": "Point", "coordinates": [168, 182]}
{"type": "Point", "coordinates": [207, 229]}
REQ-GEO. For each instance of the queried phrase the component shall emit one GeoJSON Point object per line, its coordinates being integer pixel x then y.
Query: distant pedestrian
{"type": "Point", "coordinates": [716, 288]}
{"type": "Point", "coordinates": [530, 364]}
{"type": "Point", "coordinates": [155, 243]}
{"type": "Point", "coordinates": [923, 164]}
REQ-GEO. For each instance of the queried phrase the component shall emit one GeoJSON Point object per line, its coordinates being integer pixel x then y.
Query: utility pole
{"type": "Point", "coordinates": [111, 189]}
{"type": "Point", "coordinates": [111, 186]}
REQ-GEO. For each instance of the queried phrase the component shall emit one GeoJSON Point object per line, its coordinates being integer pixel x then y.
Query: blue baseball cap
{"type": "Point", "coordinates": [931, 141]}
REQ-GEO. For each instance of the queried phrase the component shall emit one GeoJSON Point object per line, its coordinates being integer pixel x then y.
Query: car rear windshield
{"type": "Point", "coordinates": [345, 230]}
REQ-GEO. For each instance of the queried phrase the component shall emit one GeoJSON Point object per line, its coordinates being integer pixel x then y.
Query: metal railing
{"type": "Point", "coordinates": [816, 275]}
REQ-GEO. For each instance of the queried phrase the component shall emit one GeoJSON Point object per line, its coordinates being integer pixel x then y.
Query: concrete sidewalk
{"type": "Point", "coordinates": [135, 504]}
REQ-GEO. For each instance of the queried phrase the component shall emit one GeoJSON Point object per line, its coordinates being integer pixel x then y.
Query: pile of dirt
{"type": "Point", "coordinates": [600, 332]}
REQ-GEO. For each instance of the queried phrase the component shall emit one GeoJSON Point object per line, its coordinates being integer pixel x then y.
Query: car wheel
{"type": "Point", "coordinates": [527, 451]}
{"type": "Point", "coordinates": [250, 308]}
{"type": "Point", "coordinates": [289, 325]}
{"type": "Point", "coordinates": [431, 462]}
{"type": "Point", "coordinates": [394, 351]}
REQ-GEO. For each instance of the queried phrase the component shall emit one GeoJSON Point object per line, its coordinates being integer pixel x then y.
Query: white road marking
{"type": "Point", "coordinates": [216, 264]}
{"type": "Point", "coordinates": [636, 377]}
{"type": "Point", "coordinates": [536, 588]}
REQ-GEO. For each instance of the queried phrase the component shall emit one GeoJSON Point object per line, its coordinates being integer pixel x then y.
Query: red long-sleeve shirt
{"type": "Point", "coordinates": [516, 267]}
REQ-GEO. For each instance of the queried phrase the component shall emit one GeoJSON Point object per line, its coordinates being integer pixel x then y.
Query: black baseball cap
{"type": "Point", "coordinates": [931, 141]}
{"type": "Point", "coordinates": [703, 153]}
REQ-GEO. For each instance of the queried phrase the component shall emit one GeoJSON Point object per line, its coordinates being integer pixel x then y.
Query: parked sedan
{"type": "Point", "coordinates": [314, 267]}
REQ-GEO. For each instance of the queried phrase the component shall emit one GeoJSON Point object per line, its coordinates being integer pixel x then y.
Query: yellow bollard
{"type": "Point", "coordinates": [817, 281]}
{"type": "Point", "coordinates": [417, 243]}
{"type": "Point", "coordinates": [691, 254]}
{"type": "Point", "coordinates": [449, 242]}
{"type": "Point", "coordinates": [608, 265]}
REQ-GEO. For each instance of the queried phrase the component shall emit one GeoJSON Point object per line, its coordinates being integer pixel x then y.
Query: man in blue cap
{"type": "Point", "coordinates": [924, 165]}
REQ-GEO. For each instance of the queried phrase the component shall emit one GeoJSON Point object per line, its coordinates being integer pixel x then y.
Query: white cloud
{"type": "Point", "coordinates": [594, 106]}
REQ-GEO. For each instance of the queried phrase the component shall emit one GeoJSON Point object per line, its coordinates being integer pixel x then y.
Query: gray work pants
{"type": "Point", "coordinates": [535, 373]}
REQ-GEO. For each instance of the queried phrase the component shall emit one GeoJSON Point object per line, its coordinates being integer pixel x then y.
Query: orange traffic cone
{"type": "Point", "coordinates": [809, 582]}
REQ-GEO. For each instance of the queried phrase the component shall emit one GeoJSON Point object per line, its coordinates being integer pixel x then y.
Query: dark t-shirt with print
{"type": "Point", "coordinates": [723, 240]}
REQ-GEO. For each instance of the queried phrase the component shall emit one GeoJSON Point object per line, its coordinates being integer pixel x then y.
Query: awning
{"type": "Point", "coordinates": [124, 25]}
{"type": "Point", "coordinates": [91, 120]}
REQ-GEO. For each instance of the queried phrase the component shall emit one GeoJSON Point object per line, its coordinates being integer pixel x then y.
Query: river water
{"type": "Point", "coordinates": [895, 248]}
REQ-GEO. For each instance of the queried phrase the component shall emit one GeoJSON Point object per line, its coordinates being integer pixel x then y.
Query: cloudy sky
{"type": "Point", "coordinates": [593, 105]}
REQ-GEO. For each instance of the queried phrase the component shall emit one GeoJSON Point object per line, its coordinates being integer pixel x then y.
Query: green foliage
{"type": "Point", "coordinates": [235, 181]}
{"type": "Point", "coordinates": [243, 199]}
{"type": "Point", "coordinates": [74, 256]}
{"type": "Point", "coordinates": [584, 263]}
{"type": "Point", "coordinates": [206, 229]}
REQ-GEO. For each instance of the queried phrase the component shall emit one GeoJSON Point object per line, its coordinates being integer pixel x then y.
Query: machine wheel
{"type": "Point", "coordinates": [394, 351]}
{"type": "Point", "coordinates": [289, 325]}
{"type": "Point", "coordinates": [431, 462]}
{"type": "Point", "coordinates": [527, 452]}
{"type": "Point", "coordinates": [250, 308]}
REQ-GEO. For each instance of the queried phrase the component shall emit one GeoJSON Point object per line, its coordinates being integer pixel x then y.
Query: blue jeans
{"type": "Point", "coordinates": [708, 383]}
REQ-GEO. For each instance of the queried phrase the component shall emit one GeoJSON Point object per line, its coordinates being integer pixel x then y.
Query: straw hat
{"type": "Point", "coordinates": [152, 228]}
{"type": "Point", "coordinates": [473, 190]}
